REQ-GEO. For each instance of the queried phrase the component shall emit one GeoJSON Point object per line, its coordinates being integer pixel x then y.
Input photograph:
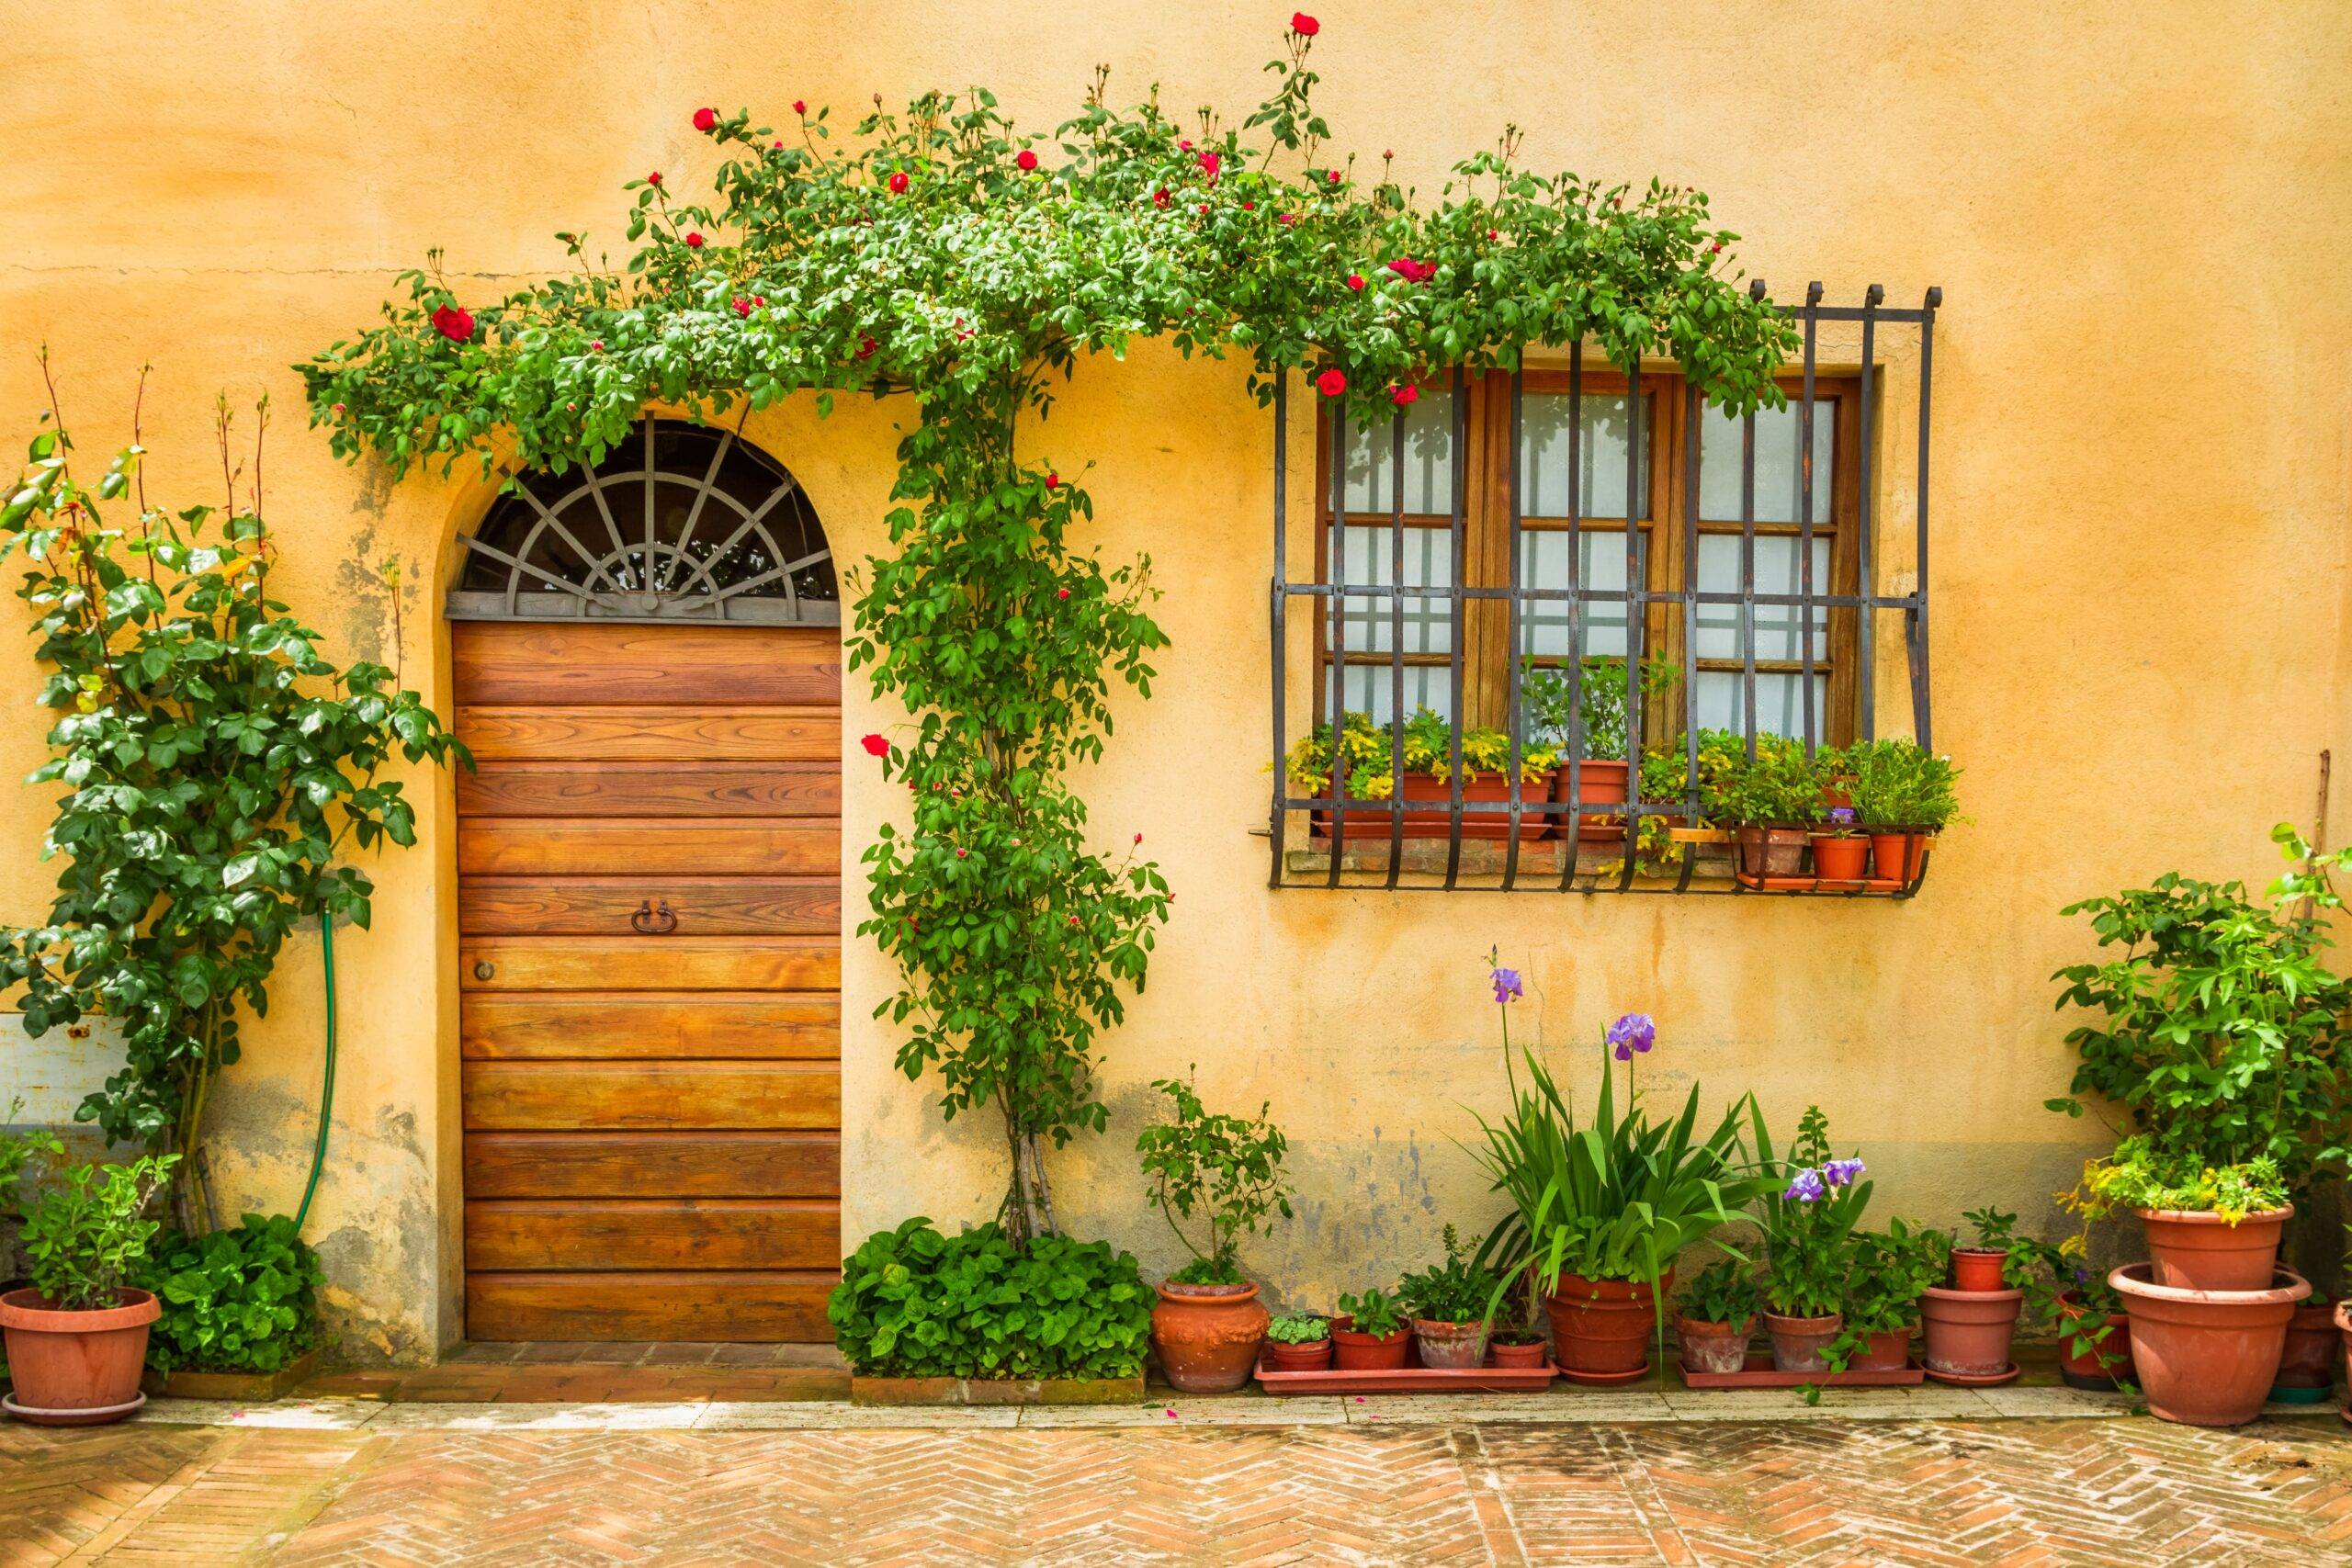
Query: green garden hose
{"type": "Point", "coordinates": [326, 1094]}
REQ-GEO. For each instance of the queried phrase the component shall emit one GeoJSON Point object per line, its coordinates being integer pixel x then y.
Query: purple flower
{"type": "Point", "coordinates": [1805, 1188]}
{"type": "Point", "coordinates": [1633, 1032]}
{"type": "Point", "coordinates": [1842, 816]}
{"type": "Point", "coordinates": [1841, 1172]}
{"type": "Point", "coordinates": [1507, 987]}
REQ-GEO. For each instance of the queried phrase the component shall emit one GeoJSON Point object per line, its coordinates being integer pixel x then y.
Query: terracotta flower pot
{"type": "Point", "coordinates": [1897, 853]}
{"type": "Point", "coordinates": [1968, 1332]}
{"type": "Point", "coordinates": [1429, 809]}
{"type": "Point", "coordinates": [1799, 1343]}
{"type": "Point", "coordinates": [1836, 859]}
{"type": "Point", "coordinates": [2343, 1328]}
{"type": "Point", "coordinates": [2308, 1360]}
{"type": "Point", "coordinates": [2100, 1365]}
{"type": "Point", "coordinates": [76, 1368]}
{"type": "Point", "coordinates": [1533, 1354]}
{"type": "Point", "coordinates": [2207, 1357]}
{"type": "Point", "coordinates": [1208, 1335]}
{"type": "Point", "coordinates": [1713, 1347]}
{"type": "Point", "coordinates": [1449, 1344]}
{"type": "Point", "coordinates": [1771, 852]}
{"type": "Point", "coordinates": [2191, 1251]}
{"type": "Point", "coordinates": [1978, 1267]}
{"type": "Point", "coordinates": [1354, 1352]}
{"type": "Point", "coordinates": [1601, 783]}
{"type": "Point", "coordinates": [1311, 1357]}
{"type": "Point", "coordinates": [1604, 1325]}
{"type": "Point", "coordinates": [1888, 1352]}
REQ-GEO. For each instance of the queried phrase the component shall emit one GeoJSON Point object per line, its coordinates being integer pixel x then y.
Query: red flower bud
{"type": "Point", "coordinates": [1061, 592]}
{"type": "Point", "coordinates": [866, 349]}
{"type": "Point", "coordinates": [898, 183]}
{"type": "Point", "coordinates": [1494, 233]}
{"type": "Point", "coordinates": [338, 410]}
{"type": "Point", "coordinates": [1716, 246]}
{"type": "Point", "coordinates": [595, 345]}
{"type": "Point", "coordinates": [1139, 837]}
{"type": "Point", "coordinates": [1159, 196]}
{"type": "Point", "coordinates": [704, 119]}
{"type": "Point", "coordinates": [799, 106]}
{"type": "Point", "coordinates": [1205, 207]}
{"type": "Point", "coordinates": [742, 306]}
{"type": "Point", "coordinates": [1286, 218]}
{"type": "Point", "coordinates": [1249, 207]}
{"type": "Point", "coordinates": [1073, 919]}
{"type": "Point", "coordinates": [1304, 25]}
{"type": "Point", "coordinates": [1333, 176]}
{"type": "Point", "coordinates": [876, 746]}
{"type": "Point", "coordinates": [453, 323]}
{"type": "Point", "coordinates": [1183, 144]}
{"type": "Point", "coordinates": [1355, 280]}
{"type": "Point", "coordinates": [694, 239]}
{"type": "Point", "coordinates": [654, 178]}
{"type": "Point", "coordinates": [1331, 383]}
{"type": "Point", "coordinates": [1053, 482]}
{"type": "Point", "coordinates": [1210, 163]}
{"type": "Point", "coordinates": [1024, 160]}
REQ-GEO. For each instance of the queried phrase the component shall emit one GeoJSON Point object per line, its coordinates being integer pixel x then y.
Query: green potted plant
{"type": "Point", "coordinates": [1299, 1342]}
{"type": "Point", "coordinates": [1902, 796]}
{"type": "Point", "coordinates": [1715, 1316]}
{"type": "Point", "coordinates": [1770, 800]}
{"type": "Point", "coordinates": [1208, 1325]}
{"type": "Point", "coordinates": [1600, 1212]}
{"type": "Point", "coordinates": [77, 1334]}
{"type": "Point", "coordinates": [1840, 854]}
{"type": "Point", "coordinates": [1893, 1274]}
{"type": "Point", "coordinates": [1983, 1266]}
{"type": "Point", "coordinates": [1591, 725]}
{"type": "Point", "coordinates": [1368, 754]}
{"type": "Point", "coordinates": [1972, 1322]}
{"type": "Point", "coordinates": [1812, 1206]}
{"type": "Point", "coordinates": [1452, 1306]}
{"type": "Point", "coordinates": [239, 1306]}
{"type": "Point", "coordinates": [1371, 1334]}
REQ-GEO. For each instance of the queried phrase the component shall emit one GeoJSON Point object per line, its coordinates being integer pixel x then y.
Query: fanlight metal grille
{"type": "Point", "coordinates": [680, 523]}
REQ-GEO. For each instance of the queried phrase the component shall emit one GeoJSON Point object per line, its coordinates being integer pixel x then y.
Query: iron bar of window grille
{"type": "Point", "coordinates": [1511, 640]}
{"type": "Point", "coordinates": [1865, 582]}
{"type": "Point", "coordinates": [1279, 611]}
{"type": "Point", "coordinates": [1636, 617]}
{"type": "Point", "coordinates": [1573, 823]}
{"type": "Point", "coordinates": [1457, 425]}
{"type": "Point", "coordinates": [1747, 565]}
{"type": "Point", "coordinates": [1337, 619]}
{"type": "Point", "coordinates": [1693, 410]}
{"type": "Point", "coordinates": [1919, 714]}
{"type": "Point", "coordinates": [1805, 514]}
{"type": "Point", "coordinates": [1397, 646]}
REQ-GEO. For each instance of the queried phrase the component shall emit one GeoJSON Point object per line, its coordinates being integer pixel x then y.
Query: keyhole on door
{"type": "Point", "coordinates": [484, 970]}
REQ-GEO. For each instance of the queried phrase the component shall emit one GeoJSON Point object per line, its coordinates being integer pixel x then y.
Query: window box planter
{"type": "Point", "coordinates": [996, 1390]}
{"type": "Point", "coordinates": [1601, 783]}
{"type": "Point", "coordinates": [242, 1388]}
{"type": "Point", "coordinates": [1429, 810]}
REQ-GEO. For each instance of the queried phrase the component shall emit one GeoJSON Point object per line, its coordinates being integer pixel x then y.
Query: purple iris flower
{"type": "Point", "coordinates": [1805, 1188]}
{"type": "Point", "coordinates": [1633, 1032]}
{"type": "Point", "coordinates": [1843, 816]}
{"type": "Point", "coordinates": [1841, 1172]}
{"type": "Point", "coordinates": [1507, 987]}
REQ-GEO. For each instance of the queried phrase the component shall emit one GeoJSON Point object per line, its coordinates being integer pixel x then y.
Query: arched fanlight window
{"type": "Point", "coordinates": [679, 523]}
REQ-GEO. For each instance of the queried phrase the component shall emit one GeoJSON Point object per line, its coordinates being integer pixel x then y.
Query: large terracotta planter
{"type": "Point", "coordinates": [2101, 1365]}
{"type": "Point", "coordinates": [76, 1368]}
{"type": "Point", "coordinates": [2190, 1251]}
{"type": "Point", "coordinates": [1801, 1344]}
{"type": "Point", "coordinates": [1429, 809]}
{"type": "Point", "coordinates": [1601, 783]}
{"type": "Point", "coordinates": [1773, 852]}
{"type": "Point", "coordinates": [1968, 1332]}
{"type": "Point", "coordinates": [1604, 1325]}
{"type": "Point", "coordinates": [1208, 1335]}
{"type": "Point", "coordinates": [1354, 1352]}
{"type": "Point", "coordinates": [1449, 1344]}
{"type": "Point", "coordinates": [1888, 1352]}
{"type": "Point", "coordinates": [2207, 1357]}
{"type": "Point", "coordinates": [1311, 1357]}
{"type": "Point", "coordinates": [1713, 1347]}
{"type": "Point", "coordinates": [2308, 1360]}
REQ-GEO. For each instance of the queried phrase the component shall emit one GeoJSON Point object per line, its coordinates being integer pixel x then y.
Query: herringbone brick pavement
{"type": "Point", "coordinates": [1708, 1493]}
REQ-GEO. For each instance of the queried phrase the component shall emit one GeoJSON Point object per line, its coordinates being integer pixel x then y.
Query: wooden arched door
{"type": "Point", "coordinates": [647, 663]}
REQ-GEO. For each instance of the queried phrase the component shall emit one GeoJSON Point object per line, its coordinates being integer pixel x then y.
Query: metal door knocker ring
{"type": "Point", "coordinates": [653, 921]}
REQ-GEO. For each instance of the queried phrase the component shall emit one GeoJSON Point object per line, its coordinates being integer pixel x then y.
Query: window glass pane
{"type": "Point", "coordinates": [1776, 572]}
{"type": "Point", "coordinates": [1601, 455]}
{"type": "Point", "coordinates": [1543, 563]}
{"type": "Point", "coordinates": [1365, 554]}
{"type": "Point", "coordinates": [1428, 458]}
{"type": "Point", "coordinates": [1370, 687]}
{"type": "Point", "coordinates": [1779, 703]}
{"type": "Point", "coordinates": [1779, 437]}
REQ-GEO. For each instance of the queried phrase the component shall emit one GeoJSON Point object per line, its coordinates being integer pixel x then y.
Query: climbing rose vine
{"type": "Point", "coordinates": [945, 254]}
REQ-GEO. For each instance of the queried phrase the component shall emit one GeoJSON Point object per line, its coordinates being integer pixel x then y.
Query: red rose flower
{"type": "Point", "coordinates": [1159, 196]}
{"type": "Point", "coordinates": [1285, 217]}
{"type": "Point", "coordinates": [1061, 592]}
{"type": "Point", "coordinates": [1494, 233]}
{"type": "Point", "coordinates": [777, 144]}
{"type": "Point", "coordinates": [760, 300]}
{"type": "Point", "coordinates": [1210, 163]}
{"type": "Point", "coordinates": [704, 119]}
{"type": "Point", "coordinates": [338, 410]}
{"type": "Point", "coordinates": [654, 178]}
{"type": "Point", "coordinates": [865, 347]}
{"type": "Point", "coordinates": [742, 306]}
{"type": "Point", "coordinates": [1404, 267]}
{"type": "Point", "coordinates": [1304, 25]}
{"type": "Point", "coordinates": [898, 183]}
{"type": "Point", "coordinates": [1333, 176]}
{"type": "Point", "coordinates": [1024, 160]}
{"type": "Point", "coordinates": [595, 345]}
{"type": "Point", "coordinates": [1404, 395]}
{"type": "Point", "coordinates": [1053, 482]}
{"type": "Point", "coordinates": [876, 746]}
{"type": "Point", "coordinates": [1249, 207]}
{"type": "Point", "coordinates": [1205, 209]}
{"type": "Point", "coordinates": [1355, 281]}
{"type": "Point", "coordinates": [1331, 383]}
{"type": "Point", "coordinates": [453, 323]}
{"type": "Point", "coordinates": [1183, 144]}
{"type": "Point", "coordinates": [1716, 246]}
{"type": "Point", "coordinates": [694, 239]}
{"type": "Point", "coordinates": [799, 106]}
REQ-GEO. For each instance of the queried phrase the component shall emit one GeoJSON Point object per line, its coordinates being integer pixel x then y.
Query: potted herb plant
{"type": "Point", "coordinates": [1371, 1334]}
{"type": "Point", "coordinates": [1299, 1342]}
{"type": "Point", "coordinates": [1369, 753]}
{"type": "Point", "coordinates": [1590, 726]}
{"type": "Point", "coordinates": [1770, 800]}
{"type": "Point", "coordinates": [1811, 1207]}
{"type": "Point", "coordinates": [1453, 1306]}
{"type": "Point", "coordinates": [1903, 795]}
{"type": "Point", "coordinates": [1971, 1327]}
{"type": "Point", "coordinates": [1208, 1325]}
{"type": "Point", "coordinates": [1894, 1273]}
{"type": "Point", "coordinates": [1599, 1213]}
{"type": "Point", "coordinates": [1715, 1316]}
{"type": "Point", "coordinates": [77, 1336]}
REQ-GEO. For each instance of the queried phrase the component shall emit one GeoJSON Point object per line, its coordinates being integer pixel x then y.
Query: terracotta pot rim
{"type": "Point", "coordinates": [1241, 1293]}
{"type": "Point", "coordinates": [2127, 1280]}
{"type": "Point", "coordinates": [1342, 1336]}
{"type": "Point", "coordinates": [1982, 1251]}
{"type": "Point", "coordinates": [2207, 1217]}
{"type": "Point", "coordinates": [1440, 1329]}
{"type": "Point", "coordinates": [1826, 1323]}
{"type": "Point", "coordinates": [1702, 1328]}
{"type": "Point", "coordinates": [27, 1310]}
{"type": "Point", "coordinates": [1946, 1294]}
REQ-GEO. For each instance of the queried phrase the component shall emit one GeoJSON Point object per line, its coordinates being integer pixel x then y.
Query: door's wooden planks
{"type": "Point", "coordinates": [534, 846]}
{"type": "Point", "coordinates": [590, 906]}
{"type": "Point", "coordinates": [613, 733]}
{"type": "Point", "coordinates": [639, 1025]}
{"type": "Point", "coordinates": [679, 788]}
{"type": "Point", "coordinates": [629, 1165]}
{"type": "Point", "coordinates": [659, 1233]}
{"type": "Point", "coordinates": [518, 663]}
{"type": "Point", "coordinates": [650, 963]}
{"type": "Point", "coordinates": [647, 1096]}
{"type": "Point", "coordinates": [765, 1304]}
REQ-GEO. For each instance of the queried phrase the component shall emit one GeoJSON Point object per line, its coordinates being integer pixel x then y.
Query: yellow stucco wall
{"type": "Point", "coordinates": [2139, 498]}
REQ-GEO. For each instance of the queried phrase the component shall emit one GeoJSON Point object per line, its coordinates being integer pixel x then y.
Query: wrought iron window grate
{"type": "Point", "coordinates": [681, 522]}
{"type": "Point", "coordinates": [1390, 611]}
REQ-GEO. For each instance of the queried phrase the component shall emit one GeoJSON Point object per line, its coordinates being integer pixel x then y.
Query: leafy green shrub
{"type": "Point", "coordinates": [1897, 783]}
{"type": "Point", "coordinates": [1299, 1328]}
{"type": "Point", "coordinates": [1723, 1291]}
{"type": "Point", "coordinates": [1229, 1168]}
{"type": "Point", "coordinates": [1891, 1270]}
{"type": "Point", "coordinates": [914, 1303]}
{"type": "Point", "coordinates": [234, 1301]}
{"type": "Point", "coordinates": [1375, 1312]}
{"type": "Point", "coordinates": [87, 1236]}
{"type": "Point", "coordinates": [1457, 1290]}
{"type": "Point", "coordinates": [1779, 786]}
